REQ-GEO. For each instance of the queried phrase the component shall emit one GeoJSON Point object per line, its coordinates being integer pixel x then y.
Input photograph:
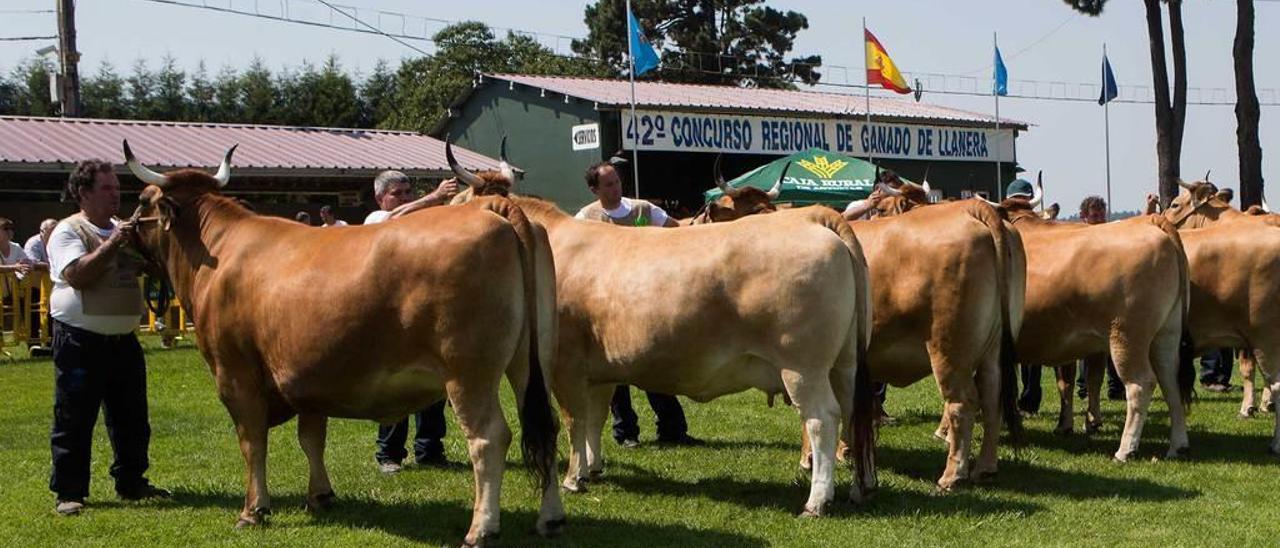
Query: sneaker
{"type": "Point", "coordinates": [144, 491]}
{"type": "Point", "coordinates": [682, 440]}
{"type": "Point", "coordinates": [389, 467]}
{"type": "Point", "coordinates": [628, 443]}
{"type": "Point", "coordinates": [435, 460]}
{"type": "Point", "coordinates": [1217, 387]}
{"type": "Point", "coordinates": [71, 507]}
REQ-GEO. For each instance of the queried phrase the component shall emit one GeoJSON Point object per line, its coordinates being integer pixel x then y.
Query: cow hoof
{"type": "Point", "coordinates": [256, 518]}
{"type": "Point", "coordinates": [1248, 412]}
{"type": "Point", "coordinates": [1177, 452]}
{"type": "Point", "coordinates": [1122, 457]}
{"type": "Point", "coordinates": [321, 502]}
{"type": "Point", "coordinates": [576, 486]}
{"type": "Point", "coordinates": [595, 474]}
{"type": "Point", "coordinates": [814, 512]}
{"type": "Point", "coordinates": [552, 528]}
{"type": "Point", "coordinates": [941, 435]}
{"type": "Point", "coordinates": [806, 463]}
{"type": "Point", "coordinates": [1092, 428]}
{"type": "Point", "coordinates": [481, 541]}
{"type": "Point", "coordinates": [1064, 431]}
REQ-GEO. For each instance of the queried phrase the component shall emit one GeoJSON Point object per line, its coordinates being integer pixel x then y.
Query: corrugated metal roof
{"type": "Point", "coordinates": [617, 93]}
{"type": "Point", "coordinates": [37, 140]}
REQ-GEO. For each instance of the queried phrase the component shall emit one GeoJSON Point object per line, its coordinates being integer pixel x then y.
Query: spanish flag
{"type": "Point", "coordinates": [880, 68]}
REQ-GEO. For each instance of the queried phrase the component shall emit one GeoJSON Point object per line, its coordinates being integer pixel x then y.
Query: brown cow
{"type": "Point", "coordinates": [776, 303]}
{"type": "Point", "coordinates": [1235, 282]}
{"type": "Point", "coordinates": [1118, 287]}
{"type": "Point", "coordinates": [419, 319]}
{"type": "Point", "coordinates": [947, 284]}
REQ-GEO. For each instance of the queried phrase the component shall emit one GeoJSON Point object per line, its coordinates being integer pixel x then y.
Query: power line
{"type": "Point", "coordinates": [25, 38]}
{"type": "Point", "coordinates": [27, 11]}
{"type": "Point", "coordinates": [936, 83]}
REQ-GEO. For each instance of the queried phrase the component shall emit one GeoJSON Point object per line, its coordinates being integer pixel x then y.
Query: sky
{"type": "Point", "coordinates": [1041, 40]}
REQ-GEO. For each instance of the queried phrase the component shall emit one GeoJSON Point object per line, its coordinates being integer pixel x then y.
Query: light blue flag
{"type": "Point", "coordinates": [644, 58]}
{"type": "Point", "coordinates": [1001, 76]}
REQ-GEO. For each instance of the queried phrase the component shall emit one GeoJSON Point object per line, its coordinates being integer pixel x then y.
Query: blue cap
{"type": "Point", "coordinates": [1019, 187]}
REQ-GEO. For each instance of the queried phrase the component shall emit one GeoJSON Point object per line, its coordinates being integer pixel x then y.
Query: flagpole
{"type": "Point", "coordinates": [1106, 117]}
{"type": "Point", "coordinates": [635, 130]}
{"type": "Point", "coordinates": [866, 74]}
{"type": "Point", "coordinates": [995, 93]}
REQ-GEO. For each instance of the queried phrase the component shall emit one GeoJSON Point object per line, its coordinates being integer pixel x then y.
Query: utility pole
{"type": "Point", "coordinates": [69, 58]}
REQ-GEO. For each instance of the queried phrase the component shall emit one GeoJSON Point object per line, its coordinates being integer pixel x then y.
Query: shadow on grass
{"type": "Point", "coordinates": [441, 523]}
{"type": "Point", "coordinates": [790, 497]}
{"type": "Point", "coordinates": [1020, 476]}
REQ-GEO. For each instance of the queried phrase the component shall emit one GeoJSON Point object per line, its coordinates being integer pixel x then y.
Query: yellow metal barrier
{"type": "Point", "coordinates": [25, 300]}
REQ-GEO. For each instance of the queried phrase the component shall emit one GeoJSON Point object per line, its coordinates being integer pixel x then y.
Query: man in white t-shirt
{"type": "Point", "coordinates": [326, 216]}
{"type": "Point", "coordinates": [13, 259]}
{"type": "Point", "coordinates": [393, 192]}
{"type": "Point", "coordinates": [98, 363]}
{"type": "Point", "coordinates": [612, 207]}
{"type": "Point", "coordinates": [36, 246]}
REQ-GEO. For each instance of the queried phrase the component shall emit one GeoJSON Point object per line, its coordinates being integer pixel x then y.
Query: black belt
{"type": "Point", "coordinates": [91, 335]}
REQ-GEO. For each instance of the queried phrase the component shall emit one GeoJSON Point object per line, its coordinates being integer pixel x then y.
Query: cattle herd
{"type": "Point", "coordinates": [446, 302]}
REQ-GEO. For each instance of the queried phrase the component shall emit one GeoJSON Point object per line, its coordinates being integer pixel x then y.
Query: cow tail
{"type": "Point", "coordinates": [1186, 346]}
{"type": "Point", "coordinates": [539, 428]}
{"type": "Point", "coordinates": [1011, 283]}
{"type": "Point", "coordinates": [864, 399]}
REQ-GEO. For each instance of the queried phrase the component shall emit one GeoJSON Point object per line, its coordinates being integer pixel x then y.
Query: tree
{"type": "Point", "coordinates": [1171, 113]}
{"type": "Point", "coordinates": [711, 41]}
{"type": "Point", "coordinates": [9, 93]}
{"type": "Point", "coordinates": [103, 94]}
{"type": "Point", "coordinates": [1247, 111]}
{"type": "Point", "coordinates": [259, 95]}
{"type": "Point", "coordinates": [142, 92]}
{"type": "Point", "coordinates": [377, 95]}
{"type": "Point", "coordinates": [426, 86]}
{"type": "Point", "coordinates": [32, 80]}
{"type": "Point", "coordinates": [334, 102]}
{"type": "Point", "coordinates": [228, 102]}
{"type": "Point", "coordinates": [171, 91]}
{"type": "Point", "coordinates": [201, 96]}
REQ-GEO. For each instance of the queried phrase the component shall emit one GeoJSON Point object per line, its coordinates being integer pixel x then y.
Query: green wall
{"type": "Point", "coordinates": [538, 130]}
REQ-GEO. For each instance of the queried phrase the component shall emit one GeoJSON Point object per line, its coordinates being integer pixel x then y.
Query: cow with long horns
{"type": "Point", "coordinates": [483, 183]}
{"type": "Point", "coordinates": [737, 202]}
{"type": "Point", "coordinates": [422, 319]}
{"type": "Point", "coordinates": [1235, 283]}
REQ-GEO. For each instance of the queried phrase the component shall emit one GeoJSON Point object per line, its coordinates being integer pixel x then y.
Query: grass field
{"type": "Point", "coordinates": [743, 489]}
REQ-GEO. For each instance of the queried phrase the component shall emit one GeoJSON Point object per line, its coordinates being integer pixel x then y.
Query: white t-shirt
{"type": "Point", "coordinates": [65, 304]}
{"type": "Point", "coordinates": [657, 215]}
{"type": "Point", "coordinates": [855, 205]}
{"type": "Point", "coordinates": [377, 217]}
{"type": "Point", "coordinates": [340, 222]}
{"type": "Point", "coordinates": [12, 256]}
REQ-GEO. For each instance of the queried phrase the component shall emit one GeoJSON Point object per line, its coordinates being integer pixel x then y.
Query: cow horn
{"type": "Point", "coordinates": [1186, 185]}
{"type": "Point", "coordinates": [1038, 194]}
{"type": "Point", "coordinates": [1206, 175]}
{"type": "Point", "coordinates": [924, 181]}
{"type": "Point", "coordinates": [1264, 205]}
{"type": "Point", "coordinates": [465, 176]}
{"type": "Point", "coordinates": [776, 191]}
{"type": "Point", "coordinates": [505, 165]}
{"type": "Point", "coordinates": [888, 189]}
{"type": "Point", "coordinates": [140, 171]}
{"type": "Point", "coordinates": [926, 187]}
{"type": "Point", "coordinates": [224, 171]}
{"type": "Point", "coordinates": [719, 178]}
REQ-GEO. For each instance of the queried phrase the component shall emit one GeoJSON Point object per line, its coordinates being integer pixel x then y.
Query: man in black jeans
{"type": "Point", "coordinates": [98, 363]}
{"type": "Point", "coordinates": [672, 428]}
{"type": "Point", "coordinates": [1215, 369]}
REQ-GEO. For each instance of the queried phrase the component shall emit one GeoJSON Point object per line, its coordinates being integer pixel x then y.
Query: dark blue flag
{"type": "Point", "coordinates": [1109, 90]}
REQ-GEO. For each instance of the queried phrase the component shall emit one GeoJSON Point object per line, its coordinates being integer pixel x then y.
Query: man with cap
{"type": "Point", "coordinates": [394, 195]}
{"type": "Point", "coordinates": [1020, 190]}
{"type": "Point", "coordinates": [612, 207]}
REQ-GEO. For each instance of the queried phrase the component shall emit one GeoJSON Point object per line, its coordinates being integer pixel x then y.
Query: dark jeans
{"type": "Point", "coordinates": [93, 371]}
{"type": "Point", "coordinates": [1216, 365]}
{"type": "Point", "coordinates": [671, 423]}
{"type": "Point", "coordinates": [1029, 399]}
{"type": "Point", "coordinates": [1115, 388]}
{"type": "Point", "coordinates": [429, 443]}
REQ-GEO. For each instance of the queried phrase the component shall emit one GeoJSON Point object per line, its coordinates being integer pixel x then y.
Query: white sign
{"type": "Point", "coordinates": [684, 132]}
{"type": "Point", "coordinates": [586, 136]}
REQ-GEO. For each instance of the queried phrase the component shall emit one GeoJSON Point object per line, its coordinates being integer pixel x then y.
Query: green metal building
{"type": "Point", "coordinates": [559, 126]}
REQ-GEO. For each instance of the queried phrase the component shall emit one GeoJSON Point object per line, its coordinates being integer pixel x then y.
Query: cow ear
{"type": "Point", "coordinates": [168, 208]}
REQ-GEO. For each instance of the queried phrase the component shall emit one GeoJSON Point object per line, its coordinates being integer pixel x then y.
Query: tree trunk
{"type": "Point", "coordinates": [1247, 113]}
{"type": "Point", "coordinates": [1166, 151]}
